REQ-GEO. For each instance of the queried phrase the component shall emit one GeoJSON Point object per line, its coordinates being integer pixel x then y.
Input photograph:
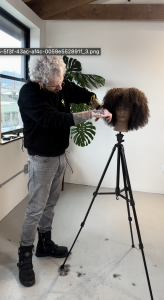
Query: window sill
{"type": "Point", "coordinates": [4, 142]}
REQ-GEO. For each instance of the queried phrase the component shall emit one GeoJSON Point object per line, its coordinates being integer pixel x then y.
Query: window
{"type": "Point", "coordinates": [13, 71]}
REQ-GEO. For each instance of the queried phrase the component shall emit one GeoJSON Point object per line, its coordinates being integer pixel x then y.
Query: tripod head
{"type": "Point", "coordinates": [119, 138]}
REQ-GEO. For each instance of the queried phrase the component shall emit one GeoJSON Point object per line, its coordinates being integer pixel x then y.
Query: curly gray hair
{"type": "Point", "coordinates": [45, 67]}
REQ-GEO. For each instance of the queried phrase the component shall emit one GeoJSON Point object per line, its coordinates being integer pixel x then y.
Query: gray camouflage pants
{"type": "Point", "coordinates": [44, 185]}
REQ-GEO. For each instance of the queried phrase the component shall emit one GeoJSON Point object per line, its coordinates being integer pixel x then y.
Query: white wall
{"type": "Point", "coordinates": [132, 56]}
{"type": "Point", "coordinates": [12, 159]}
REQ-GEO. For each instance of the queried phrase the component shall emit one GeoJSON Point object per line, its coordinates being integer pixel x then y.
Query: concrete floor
{"type": "Point", "coordinates": [103, 266]}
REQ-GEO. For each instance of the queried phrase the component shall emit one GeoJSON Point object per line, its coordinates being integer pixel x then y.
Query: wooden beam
{"type": "Point", "coordinates": [28, 2]}
{"type": "Point", "coordinates": [117, 12]}
{"type": "Point", "coordinates": [47, 8]}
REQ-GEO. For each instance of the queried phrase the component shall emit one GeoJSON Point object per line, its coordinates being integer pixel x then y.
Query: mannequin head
{"type": "Point", "coordinates": [129, 108]}
{"type": "Point", "coordinates": [122, 115]}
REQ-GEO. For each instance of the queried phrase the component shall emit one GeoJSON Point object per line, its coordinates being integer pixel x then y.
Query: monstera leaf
{"type": "Point", "coordinates": [74, 74]}
{"type": "Point", "coordinates": [79, 107]}
{"type": "Point", "coordinates": [88, 81]}
{"type": "Point", "coordinates": [83, 133]}
{"type": "Point", "coordinates": [73, 66]}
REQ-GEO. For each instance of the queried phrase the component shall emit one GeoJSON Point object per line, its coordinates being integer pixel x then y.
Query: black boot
{"type": "Point", "coordinates": [26, 273]}
{"type": "Point", "coordinates": [46, 247]}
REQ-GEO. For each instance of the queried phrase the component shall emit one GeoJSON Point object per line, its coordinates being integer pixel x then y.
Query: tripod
{"type": "Point", "coordinates": [121, 160]}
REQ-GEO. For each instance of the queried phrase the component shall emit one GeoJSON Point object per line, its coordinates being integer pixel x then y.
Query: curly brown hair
{"type": "Point", "coordinates": [129, 97]}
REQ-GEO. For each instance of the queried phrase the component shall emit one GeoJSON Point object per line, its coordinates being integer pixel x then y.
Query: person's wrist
{"type": "Point", "coordinates": [93, 114]}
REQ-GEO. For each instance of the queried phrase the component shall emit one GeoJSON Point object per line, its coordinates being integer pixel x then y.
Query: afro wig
{"type": "Point", "coordinates": [129, 97]}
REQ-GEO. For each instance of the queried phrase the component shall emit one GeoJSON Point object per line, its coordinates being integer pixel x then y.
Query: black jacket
{"type": "Point", "coordinates": [46, 118]}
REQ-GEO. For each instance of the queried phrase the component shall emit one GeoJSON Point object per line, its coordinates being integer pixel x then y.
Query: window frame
{"type": "Point", "coordinates": [17, 23]}
{"type": "Point", "coordinates": [23, 27]}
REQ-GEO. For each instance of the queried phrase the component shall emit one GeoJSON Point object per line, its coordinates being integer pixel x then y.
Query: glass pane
{"type": "Point", "coordinates": [10, 115]}
{"type": "Point", "coordinates": [11, 37]}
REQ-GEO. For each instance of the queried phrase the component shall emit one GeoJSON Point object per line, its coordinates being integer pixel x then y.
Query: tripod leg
{"type": "Point", "coordinates": [94, 196]}
{"type": "Point", "coordinates": [132, 203]}
{"type": "Point", "coordinates": [127, 202]}
{"type": "Point", "coordinates": [117, 190]}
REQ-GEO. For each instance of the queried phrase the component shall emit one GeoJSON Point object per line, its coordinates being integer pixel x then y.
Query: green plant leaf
{"type": "Point", "coordinates": [74, 74]}
{"type": "Point", "coordinates": [83, 133]}
{"type": "Point", "coordinates": [72, 65]}
{"type": "Point", "coordinates": [79, 107]}
{"type": "Point", "coordinates": [65, 59]}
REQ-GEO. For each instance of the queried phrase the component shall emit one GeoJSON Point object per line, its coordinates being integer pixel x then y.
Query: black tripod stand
{"type": "Point", "coordinates": [128, 197]}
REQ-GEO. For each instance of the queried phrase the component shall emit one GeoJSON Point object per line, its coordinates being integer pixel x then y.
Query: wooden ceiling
{"type": "Point", "coordinates": [82, 10]}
